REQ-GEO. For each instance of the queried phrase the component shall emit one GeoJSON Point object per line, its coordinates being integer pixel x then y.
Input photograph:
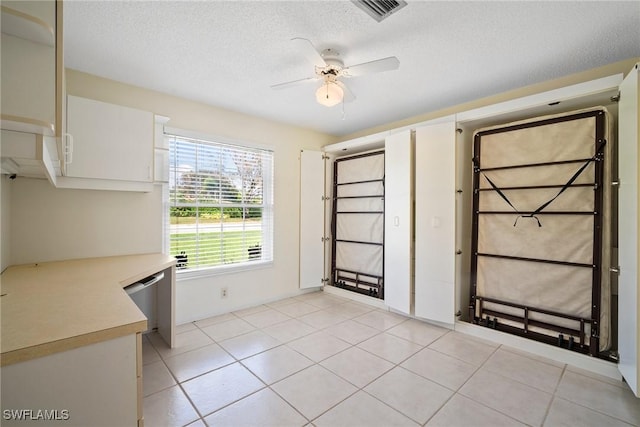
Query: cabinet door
{"type": "Point", "coordinates": [435, 222]}
{"type": "Point", "coordinates": [94, 385]}
{"type": "Point", "coordinates": [398, 226]}
{"type": "Point", "coordinates": [109, 141]}
{"type": "Point", "coordinates": [311, 219]}
{"type": "Point", "coordinates": [628, 284]}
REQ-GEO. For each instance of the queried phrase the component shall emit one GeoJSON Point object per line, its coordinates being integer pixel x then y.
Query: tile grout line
{"type": "Point", "coordinates": [315, 363]}
{"type": "Point", "coordinates": [586, 407]}
{"type": "Point", "coordinates": [318, 363]}
{"type": "Point", "coordinates": [457, 392]}
{"type": "Point", "coordinates": [327, 309]}
{"type": "Point", "coordinates": [596, 411]}
{"type": "Point", "coordinates": [494, 372]}
{"type": "Point", "coordinates": [290, 404]}
{"type": "Point", "coordinates": [236, 360]}
{"type": "Point", "coordinates": [553, 395]}
{"type": "Point", "coordinates": [362, 388]}
{"type": "Point", "coordinates": [440, 408]}
{"type": "Point", "coordinates": [268, 386]}
{"type": "Point", "coordinates": [180, 384]}
{"type": "Point", "coordinates": [195, 408]}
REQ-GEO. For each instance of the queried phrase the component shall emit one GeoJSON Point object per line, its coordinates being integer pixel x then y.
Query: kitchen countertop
{"type": "Point", "coordinates": [51, 307]}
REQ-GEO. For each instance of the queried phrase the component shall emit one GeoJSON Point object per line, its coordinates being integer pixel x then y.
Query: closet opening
{"type": "Point", "coordinates": [542, 227]}
{"type": "Point", "coordinates": [357, 224]}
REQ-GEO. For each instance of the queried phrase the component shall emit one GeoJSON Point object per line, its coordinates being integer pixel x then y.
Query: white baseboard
{"type": "Point", "coordinates": [253, 304]}
{"type": "Point", "coordinates": [582, 361]}
{"type": "Point", "coordinates": [375, 302]}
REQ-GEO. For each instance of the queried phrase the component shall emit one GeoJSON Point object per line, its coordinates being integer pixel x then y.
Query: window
{"type": "Point", "coordinates": [220, 204]}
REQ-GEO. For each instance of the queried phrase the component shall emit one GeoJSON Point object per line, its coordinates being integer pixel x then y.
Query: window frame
{"type": "Point", "coordinates": [268, 204]}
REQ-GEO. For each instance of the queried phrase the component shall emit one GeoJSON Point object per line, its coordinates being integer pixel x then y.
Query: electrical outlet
{"type": "Point", "coordinates": [224, 292]}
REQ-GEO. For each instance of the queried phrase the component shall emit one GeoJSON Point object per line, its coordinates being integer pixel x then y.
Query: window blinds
{"type": "Point", "coordinates": [220, 203]}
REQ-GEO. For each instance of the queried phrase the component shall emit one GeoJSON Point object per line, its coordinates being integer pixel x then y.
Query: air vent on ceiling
{"type": "Point", "coordinates": [380, 9]}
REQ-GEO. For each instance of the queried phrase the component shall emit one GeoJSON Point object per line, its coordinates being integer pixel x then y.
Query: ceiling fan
{"type": "Point", "coordinates": [329, 68]}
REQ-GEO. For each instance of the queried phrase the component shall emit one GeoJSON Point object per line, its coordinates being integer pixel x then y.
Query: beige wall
{"type": "Point", "coordinates": [49, 224]}
{"type": "Point", "coordinates": [5, 219]}
{"type": "Point", "coordinates": [46, 223]}
{"type": "Point", "coordinates": [607, 70]}
{"type": "Point", "coordinates": [196, 116]}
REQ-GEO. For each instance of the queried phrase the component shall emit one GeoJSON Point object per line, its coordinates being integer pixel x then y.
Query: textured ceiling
{"type": "Point", "coordinates": [229, 53]}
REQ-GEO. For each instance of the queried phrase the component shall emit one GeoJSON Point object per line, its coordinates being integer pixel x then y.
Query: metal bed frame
{"type": "Point", "coordinates": [519, 318]}
{"type": "Point", "coordinates": [355, 281]}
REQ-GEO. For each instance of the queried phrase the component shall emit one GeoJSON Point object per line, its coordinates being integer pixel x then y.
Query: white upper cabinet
{"type": "Point", "coordinates": [110, 142]}
{"type": "Point", "coordinates": [32, 87]}
{"type": "Point", "coordinates": [32, 68]}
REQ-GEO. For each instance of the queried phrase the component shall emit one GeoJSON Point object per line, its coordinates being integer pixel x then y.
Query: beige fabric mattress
{"type": "Point", "coordinates": [365, 227]}
{"type": "Point", "coordinates": [562, 237]}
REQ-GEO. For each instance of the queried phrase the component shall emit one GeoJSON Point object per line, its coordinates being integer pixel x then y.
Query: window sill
{"type": "Point", "coordinates": [222, 270]}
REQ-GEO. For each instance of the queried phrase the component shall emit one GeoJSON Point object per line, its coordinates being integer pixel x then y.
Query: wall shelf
{"type": "Point", "coordinates": [28, 27]}
{"type": "Point", "coordinates": [27, 125]}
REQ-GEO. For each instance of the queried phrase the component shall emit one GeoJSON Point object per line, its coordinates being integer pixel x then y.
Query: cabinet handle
{"type": "Point", "coordinates": [68, 149]}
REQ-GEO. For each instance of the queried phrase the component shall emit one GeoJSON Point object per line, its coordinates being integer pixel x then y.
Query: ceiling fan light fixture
{"type": "Point", "coordinates": [329, 94]}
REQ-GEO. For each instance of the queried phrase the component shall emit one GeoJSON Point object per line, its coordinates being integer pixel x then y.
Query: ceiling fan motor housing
{"type": "Point", "coordinates": [334, 65]}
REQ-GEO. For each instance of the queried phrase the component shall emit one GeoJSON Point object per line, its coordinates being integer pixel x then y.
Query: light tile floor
{"type": "Point", "coordinates": [321, 360]}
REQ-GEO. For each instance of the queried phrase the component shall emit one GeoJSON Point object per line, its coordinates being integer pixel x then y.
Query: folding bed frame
{"type": "Point", "coordinates": [541, 231]}
{"type": "Point", "coordinates": [357, 260]}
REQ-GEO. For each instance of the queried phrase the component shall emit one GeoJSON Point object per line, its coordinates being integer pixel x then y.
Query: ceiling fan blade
{"type": "Point", "coordinates": [348, 95]}
{"type": "Point", "coordinates": [293, 83]}
{"type": "Point", "coordinates": [309, 51]}
{"type": "Point", "coordinates": [377, 66]}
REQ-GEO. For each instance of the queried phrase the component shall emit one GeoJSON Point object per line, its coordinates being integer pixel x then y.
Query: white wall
{"type": "Point", "coordinates": [50, 224]}
{"type": "Point", "coordinates": [5, 219]}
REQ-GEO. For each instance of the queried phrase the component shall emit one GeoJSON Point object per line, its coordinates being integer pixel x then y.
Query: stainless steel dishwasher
{"type": "Point", "coordinates": [144, 295]}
